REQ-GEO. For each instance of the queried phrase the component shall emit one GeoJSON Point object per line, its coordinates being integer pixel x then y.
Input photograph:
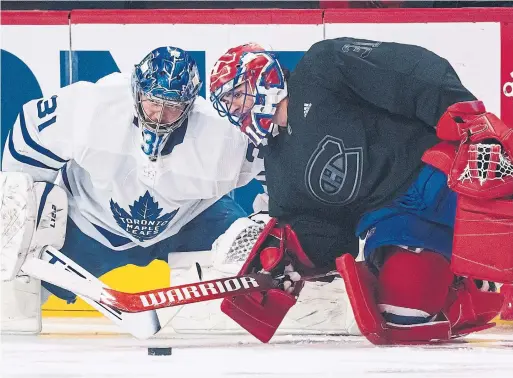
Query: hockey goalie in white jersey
{"type": "Point", "coordinates": [139, 184]}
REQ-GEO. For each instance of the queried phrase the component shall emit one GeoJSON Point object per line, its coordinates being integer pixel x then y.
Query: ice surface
{"type": "Point", "coordinates": [74, 350]}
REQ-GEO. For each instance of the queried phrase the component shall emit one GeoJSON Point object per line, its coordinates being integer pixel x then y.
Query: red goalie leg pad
{"type": "Point", "coordinates": [483, 239]}
{"type": "Point", "coordinates": [362, 290]}
{"type": "Point", "coordinates": [470, 310]}
{"type": "Point", "coordinates": [507, 307]}
{"type": "Point", "coordinates": [413, 287]}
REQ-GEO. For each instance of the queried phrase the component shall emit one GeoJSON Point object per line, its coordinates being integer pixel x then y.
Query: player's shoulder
{"type": "Point", "coordinates": [111, 88]}
{"type": "Point", "coordinates": [328, 47]}
{"type": "Point", "coordinates": [202, 108]}
{"type": "Point", "coordinates": [91, 109]}
{"type": "Point", "coordinates": [359, 47]}
{"type": "Point", "coordinates": [108, 98]}
{"type": "Point", "coordinates": [216, 136]}
{"type": "Point", "coordinates": [86, 97]}
{"type": "Point", "coordinates": [110, 85]}
{"type": "Point", "coordinates": [205, 121]}
{"type": "Point", "coordinates": [319, 57]}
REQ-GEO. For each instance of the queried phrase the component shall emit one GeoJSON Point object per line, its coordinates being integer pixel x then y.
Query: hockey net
{"type": "Point", "coordinates": [487, 162]}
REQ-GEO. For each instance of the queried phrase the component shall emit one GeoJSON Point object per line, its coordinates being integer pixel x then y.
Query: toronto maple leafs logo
{"type": "Point", "coordinates": [143, 222]}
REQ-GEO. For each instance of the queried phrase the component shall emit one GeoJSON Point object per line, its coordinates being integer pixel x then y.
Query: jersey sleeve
{"type": "Point", "coordinates": [402, 79]}
{"type": "Point", "coordinates": [41, 140]}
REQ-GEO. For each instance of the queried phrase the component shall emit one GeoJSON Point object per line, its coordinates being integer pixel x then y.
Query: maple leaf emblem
{"type": "Point", "coordinates": [143, 222]}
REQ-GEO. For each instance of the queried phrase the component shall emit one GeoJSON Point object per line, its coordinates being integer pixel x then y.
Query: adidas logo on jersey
{"type": "Point", "coordinates": [306, 109]}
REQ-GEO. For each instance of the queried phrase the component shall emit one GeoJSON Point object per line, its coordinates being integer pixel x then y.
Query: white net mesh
{"type": "Point", "coordinates": [231, 250]}
{"type": "Point", "coordinates": [243, 244]}
{"type": "Point", "coordinates": [487, 162]}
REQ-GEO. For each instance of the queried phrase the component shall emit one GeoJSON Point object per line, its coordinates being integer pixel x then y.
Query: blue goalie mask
{"type": "Point", "coordinates": [164, 86]}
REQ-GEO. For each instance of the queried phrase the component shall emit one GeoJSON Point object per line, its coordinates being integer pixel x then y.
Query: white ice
{"type": "Point", "coordinates": [92, 350]}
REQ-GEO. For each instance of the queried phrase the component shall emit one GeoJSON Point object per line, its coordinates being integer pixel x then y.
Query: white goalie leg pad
{"type": "Point", "coordinates": [221, 261]}
{"type": "Point", "coordinates": [20, 306]}
{"type": "Point", "coordinates": [19, 296]}
{"type": "Point", "coordinates": [189, 267]}
{"type": "Point", "coordinates": [52, 216]}
{"type": "Point", "coordinates": [322, 307]}
{"type": "Point", "coordinates": [33, 215]}
{"type": "Point", "coordinates": [18, 221]}
{"type": "Point", "coordinates": [202, 317]}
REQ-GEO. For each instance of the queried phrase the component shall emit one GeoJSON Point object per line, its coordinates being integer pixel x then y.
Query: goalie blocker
{"type": "Point", "coordinates": [276, 251]}
{"type": "Point", "coordinates": [33, 215]}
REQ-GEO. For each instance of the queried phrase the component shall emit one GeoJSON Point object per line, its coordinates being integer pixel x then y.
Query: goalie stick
{"type": "Point", "coordinates": [62, 271]}
{"type": "Point", "coordinates": [71, 279]}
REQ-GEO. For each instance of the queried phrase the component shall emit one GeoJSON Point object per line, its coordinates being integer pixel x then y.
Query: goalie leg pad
{"type": "Point", "coordinates": [470, 310]}
{"type": "Point", "coordinates": [33, 215]}
{"type": "Point", "coordinates": [20, 306]}
{"type": "Point", "coordinates": [412, 287]}
{"type": "Point", "coordinates": [466, 309]}
{"type": "Point", "coordinates": [18, 220]}
{"type": "Point", "coordinates": [362, 290]}
{"type": "Point", "coordinates": [483, 236]}
{"type": "Point", "coordinates": [52, 216]}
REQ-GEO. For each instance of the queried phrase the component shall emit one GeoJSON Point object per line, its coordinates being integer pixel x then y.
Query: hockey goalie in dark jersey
{"type": "Point", "coordinates": [379, 141]}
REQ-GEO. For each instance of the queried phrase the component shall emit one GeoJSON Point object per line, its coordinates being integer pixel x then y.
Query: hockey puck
{"type": "Point", "coordinates": [166, 351]}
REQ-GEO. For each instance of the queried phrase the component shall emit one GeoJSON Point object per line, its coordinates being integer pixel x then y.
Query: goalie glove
{"type": "Point", "coordinates": [476, 158]}
{"type": "Point", "coordinates": [481, 167]}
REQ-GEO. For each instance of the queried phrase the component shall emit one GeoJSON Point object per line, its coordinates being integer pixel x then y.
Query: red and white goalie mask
{"type": "Point", "coordinates": [246, 85]}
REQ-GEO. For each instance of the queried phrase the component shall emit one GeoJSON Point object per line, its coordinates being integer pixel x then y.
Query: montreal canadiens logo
{"type": "Point", "coordinates": [144, 221]}
{"type": "Point", "coordinates": [334, 173]}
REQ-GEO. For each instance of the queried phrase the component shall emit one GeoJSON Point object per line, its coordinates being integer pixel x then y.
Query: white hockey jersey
{"type": "Point", "coordinates": [86, 139]}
